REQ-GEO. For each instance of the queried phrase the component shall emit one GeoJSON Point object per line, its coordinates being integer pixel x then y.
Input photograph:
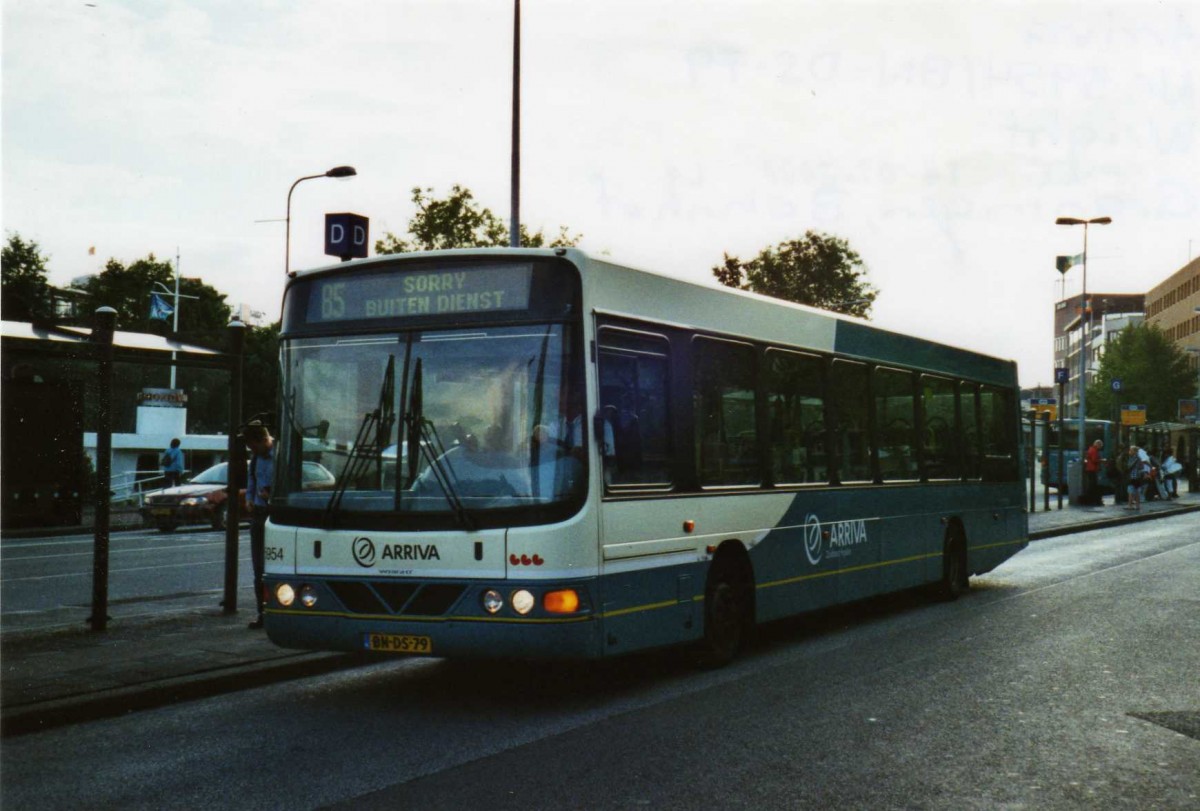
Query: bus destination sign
{"type": "Point", "coordinates": [404, 294]}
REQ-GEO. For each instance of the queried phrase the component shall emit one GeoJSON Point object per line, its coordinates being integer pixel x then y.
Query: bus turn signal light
{"type": "Point", "coordinates": [565, 601]}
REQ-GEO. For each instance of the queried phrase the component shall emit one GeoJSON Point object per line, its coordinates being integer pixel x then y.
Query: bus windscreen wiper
{"type": "Point", "coordinates": [423, 436]}
{"type": "Point", "coordinates": [374, 434]}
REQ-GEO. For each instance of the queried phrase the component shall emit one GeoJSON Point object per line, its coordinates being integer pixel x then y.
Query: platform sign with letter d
{"type": "Point", "coordinates": [346, 236]}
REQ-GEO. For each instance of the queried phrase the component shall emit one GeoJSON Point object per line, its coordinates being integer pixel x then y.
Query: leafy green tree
{"type": "Point", "coordinates": [1153, 372]}
{"type": "Point", "coordinates": [25, 291]}
{"type": "Point", "coordinates": [820, 270]}
{"type": "Point", "coordinates": [260, 380]}
{"type": "Point", "coordinates": [127, 289]}
{"type": "Point", "coordinates": [457, 221]}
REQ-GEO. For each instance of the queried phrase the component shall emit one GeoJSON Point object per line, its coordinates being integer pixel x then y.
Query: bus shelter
{"type": "Point", "coordinates": [53, 377]}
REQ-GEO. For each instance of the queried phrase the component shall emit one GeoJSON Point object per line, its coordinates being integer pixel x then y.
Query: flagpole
{"type": "Point", "coordinates": [175, 321]}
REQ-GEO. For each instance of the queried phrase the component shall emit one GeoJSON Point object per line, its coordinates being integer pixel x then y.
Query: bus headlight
{"type": "Point", "coordinates": [308, 596]}
{"type": "Point", "coordinates": [522, 601]}
{"type": "Point", "coordinates": [493, 601]}
{"type": "Point", "coordinates": [285, 594]}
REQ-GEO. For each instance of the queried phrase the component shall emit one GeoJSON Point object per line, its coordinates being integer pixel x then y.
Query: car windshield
{"type": "Point", "coordinates": [446, 421]}
{"type": "Point", "coordinates": [217, 474]}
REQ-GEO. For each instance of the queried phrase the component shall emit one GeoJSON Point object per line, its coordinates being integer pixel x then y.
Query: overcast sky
{"type": "Point", "coordinates": [940, 139]}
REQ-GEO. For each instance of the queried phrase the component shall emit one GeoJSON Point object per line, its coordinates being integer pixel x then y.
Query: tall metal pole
{"type": "Point", "coordinates": [102, 334]}
{"type": "Point", "coordinates": [514, 228]}
{"type": "Point", "coordinates": [175, 315]}
{"type": "Point", "coordinates": [236, 454]}
{"type": "Point", "coordinates": [1086, 333]}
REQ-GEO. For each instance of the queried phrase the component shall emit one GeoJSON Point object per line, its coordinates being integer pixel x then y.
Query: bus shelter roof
{"type": "Point", "coordinates": [135, 341]}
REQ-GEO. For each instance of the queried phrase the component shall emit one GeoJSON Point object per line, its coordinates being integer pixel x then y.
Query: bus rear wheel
{"type": "Point", "coordinates": [727, 614]}
{"type": "Point", "coordinates": [955, 580]}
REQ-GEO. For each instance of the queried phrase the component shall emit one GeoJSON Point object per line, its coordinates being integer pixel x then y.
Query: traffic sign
{"type": "Point", "coordinates": [1133, 415]}
{"type": "Point", "coordinates": [1062, 374]}
{"type": "Point", "coordinates": [1047, 405]}
{"type": "Point", "coordinates": [1117, 384]}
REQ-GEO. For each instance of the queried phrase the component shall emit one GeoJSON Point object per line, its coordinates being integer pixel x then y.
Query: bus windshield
{"type": "Point", "coordinates": [458, 422]}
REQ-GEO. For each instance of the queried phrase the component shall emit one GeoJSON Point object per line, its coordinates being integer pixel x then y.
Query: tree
{"type": "Point", "coordinates": [458, 222]}
{"type": "Point", "coordinates": [127, 289]}
{"type": "Point", "coordinates": [25, 293]}
{"type": "Point", "coordinates": [820, 270]}
{"type": "Point", "coordinates": [260, 393]}
{"type": "Point", "coordinates": [1153, 372]}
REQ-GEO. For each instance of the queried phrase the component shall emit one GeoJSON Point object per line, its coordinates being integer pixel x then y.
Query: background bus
{"type": "Point", "coordinates": [1052, 476]}
{"type": "Point", "coordinates": [544, 454]}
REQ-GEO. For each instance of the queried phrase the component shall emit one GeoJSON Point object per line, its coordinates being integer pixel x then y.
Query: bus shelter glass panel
{"type": "Point", "coordinates": [634, 377]}
{"type": "Point", "coordinates": [796, 414]}
{"type": "Point", "coordinates": [723, 394]}
{"type": "Point", "coordinates": [435, 421]}
{"type": "Point", "coordinates": [942, 436]}
{"type": "Point", "coordinates": [849, 390]}
{"type": "Point", "coordinates": [894, 427]}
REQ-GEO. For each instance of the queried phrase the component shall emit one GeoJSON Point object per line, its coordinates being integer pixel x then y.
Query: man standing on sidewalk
{"type": "Point", "coordinates": [1091, 472]}
{"type": "Point", "coordinates": [172, 464]}
{"type": "Point", "coordinates": [258, 495]}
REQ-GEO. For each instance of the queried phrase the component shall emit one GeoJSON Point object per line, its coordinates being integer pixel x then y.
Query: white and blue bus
{"type": "Point", "coordinates": [541, 453]}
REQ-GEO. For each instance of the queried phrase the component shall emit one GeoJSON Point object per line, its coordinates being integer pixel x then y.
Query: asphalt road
{"type": "Point", "coordinates": [1066, 679]}
{"type": "Point", "coordinates": [47, 582]}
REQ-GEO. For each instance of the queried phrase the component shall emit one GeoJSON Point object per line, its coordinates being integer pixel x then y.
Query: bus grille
{"type": "Point", "coordinates": [357, 597]}
{"type": "Point", "coordinates": [397, 598]}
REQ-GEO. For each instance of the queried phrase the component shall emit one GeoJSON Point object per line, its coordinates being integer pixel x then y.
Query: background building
{"type": "Point", "coordinates": [1068, 335]}
{"type": "Point", "coordinates": [1174, 307]}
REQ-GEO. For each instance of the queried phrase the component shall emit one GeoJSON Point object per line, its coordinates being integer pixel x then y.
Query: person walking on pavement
{"type": "Point", "coordinates": [1139, 473]}
{"type": "Point", "coordinates": [1091, 471]}
{"type": "Point", "coordinates": [258, 496]}
{"type": "Point", "coordinates": [172, 464]}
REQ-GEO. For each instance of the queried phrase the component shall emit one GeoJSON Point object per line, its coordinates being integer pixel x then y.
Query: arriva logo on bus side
{"type": "Point", "coordinates": [840, 535]}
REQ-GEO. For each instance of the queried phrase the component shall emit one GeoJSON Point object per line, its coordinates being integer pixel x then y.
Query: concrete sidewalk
{"type": "Point", "coordinates": [160, 652]}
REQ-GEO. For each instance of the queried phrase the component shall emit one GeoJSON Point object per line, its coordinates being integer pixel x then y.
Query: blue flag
{"type": "Point", "coordinates": [159, 308]}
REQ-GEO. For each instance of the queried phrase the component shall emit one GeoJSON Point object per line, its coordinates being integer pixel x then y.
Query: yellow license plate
{"type": "Point", "coordinates": [161, 511]}
{"type": "Point", "coordinates": [398, 643]}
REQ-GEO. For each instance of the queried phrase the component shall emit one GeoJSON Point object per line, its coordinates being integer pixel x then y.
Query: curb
{"type": "Point", "coordinates": [1115, 521]}
{"type": "Point", "coordinates": [102, 704]}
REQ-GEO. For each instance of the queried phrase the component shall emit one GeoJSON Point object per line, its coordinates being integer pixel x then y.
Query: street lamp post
{"type": "Point", "coordinates": [337, 171]}
{"type": "Point", "coordinates": [1084, 327]}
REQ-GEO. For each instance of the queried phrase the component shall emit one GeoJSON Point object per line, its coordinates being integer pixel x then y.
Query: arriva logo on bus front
{"type": "Point", "coordinates": [363, 550]}
{"type": "Point", "coordinates": [835, 541]}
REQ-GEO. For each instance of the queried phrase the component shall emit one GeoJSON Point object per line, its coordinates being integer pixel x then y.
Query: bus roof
{"type": "Point", "coordinates": [854, 336]}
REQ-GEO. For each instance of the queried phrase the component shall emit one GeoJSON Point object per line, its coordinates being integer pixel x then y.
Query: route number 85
{"type": "Point", "coordinates": [333, 305]}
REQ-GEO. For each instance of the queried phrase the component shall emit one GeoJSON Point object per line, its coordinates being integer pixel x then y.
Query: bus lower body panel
{"type": "Point", "coordinates": [443, 619]}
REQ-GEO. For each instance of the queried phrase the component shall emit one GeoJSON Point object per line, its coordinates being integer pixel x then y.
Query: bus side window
{"type": "Point", "coordinates": [894, 424]}
{"type": "Point", "coordinates": [797, 417]}
{"type": "Point", "coordinates": [726, 442]}
{"type": "Point", "coordinates": [848, 394]}
{"type": "Point", "coordinates": [999, 445]}
{"type": "Point", "coordinates": [632, 422]}
{"type": "Point", "coordinates": [969, 408]}
{"type": "Point", "coordinates": [942, 435]}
